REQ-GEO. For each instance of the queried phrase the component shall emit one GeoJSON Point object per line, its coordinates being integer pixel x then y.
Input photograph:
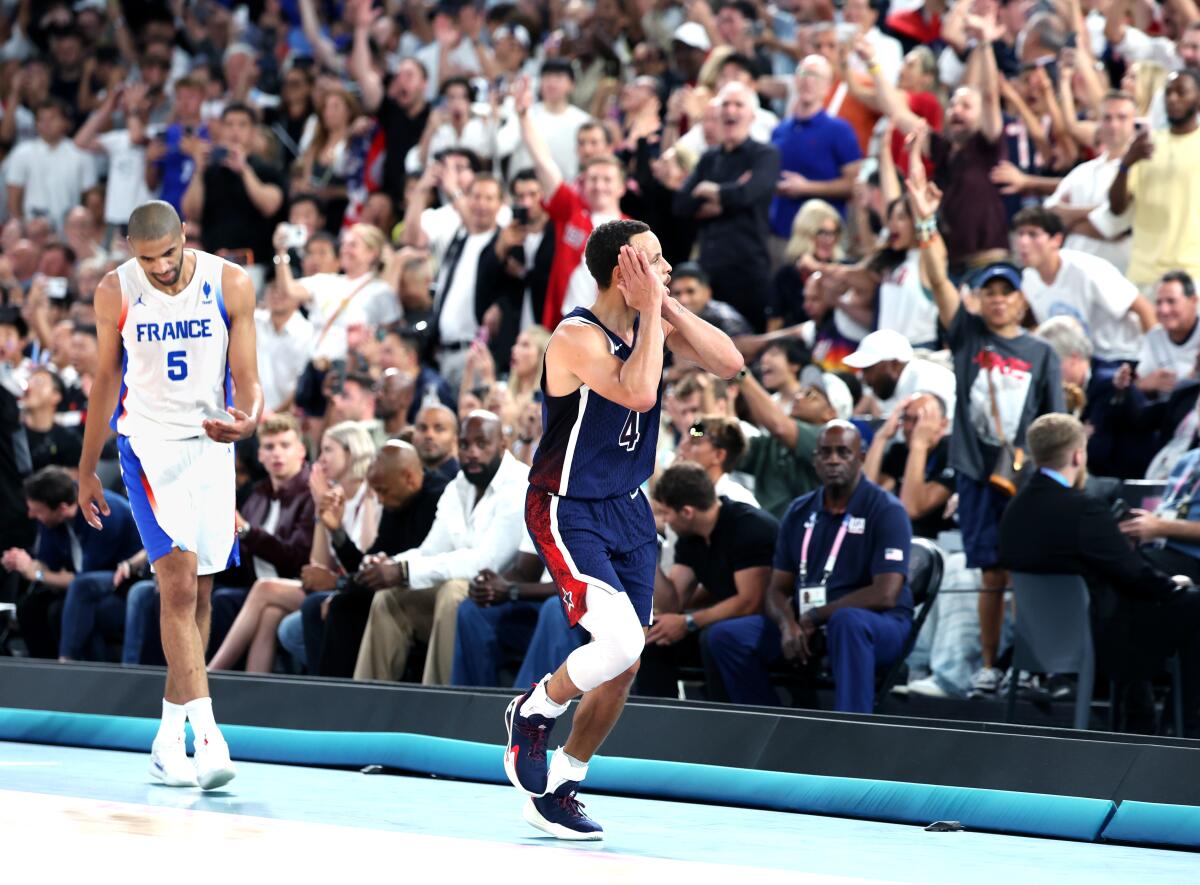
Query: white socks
{"type": "Point", "coordinates": [200, 713]}
{"type": "Point", "coordinates": [564, 768]}
{"type": "Point", "coordinates": [541, 704]}
{"type": "Point", "coordinates": [173, 718]}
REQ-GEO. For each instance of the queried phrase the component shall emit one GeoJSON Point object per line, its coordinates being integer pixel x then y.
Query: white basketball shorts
{"type": "Point", "coordinates": [182, 493]}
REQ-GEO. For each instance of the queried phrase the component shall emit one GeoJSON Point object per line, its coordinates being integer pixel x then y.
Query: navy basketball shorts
{"type": "Point", "coordinates": [610, 544]}
{"type": "Point", "coordinates": [980, 507]}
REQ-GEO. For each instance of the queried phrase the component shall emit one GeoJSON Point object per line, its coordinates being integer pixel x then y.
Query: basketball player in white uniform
{"type": "Point", "coordinates": [177, 375]}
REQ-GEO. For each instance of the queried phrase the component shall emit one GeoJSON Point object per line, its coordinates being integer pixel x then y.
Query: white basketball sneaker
{"type": "Point", "coordinates": [169, 763]}
{"type": "Point", "coordinates": [213, 765]}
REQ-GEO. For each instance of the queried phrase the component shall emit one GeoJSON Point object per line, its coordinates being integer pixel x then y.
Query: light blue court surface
{"type": "Point", "coordinates": [100, 804]}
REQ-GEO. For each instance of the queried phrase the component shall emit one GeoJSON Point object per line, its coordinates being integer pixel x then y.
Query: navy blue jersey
{"type": "Point", "coordinates": [592, 447]}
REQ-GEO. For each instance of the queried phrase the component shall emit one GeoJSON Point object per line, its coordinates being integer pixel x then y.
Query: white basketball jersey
{"type": "Point", "coordinates": [176, 353]}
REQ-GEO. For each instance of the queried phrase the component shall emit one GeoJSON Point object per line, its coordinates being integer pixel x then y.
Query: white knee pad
{"type": "Point", "coordinates": [617, 640]}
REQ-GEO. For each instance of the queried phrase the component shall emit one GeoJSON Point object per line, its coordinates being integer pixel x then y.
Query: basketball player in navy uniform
{"type": "Point", "coordinates": [586, 512]}
{"type": "Point", "coordinates": [178, 374]}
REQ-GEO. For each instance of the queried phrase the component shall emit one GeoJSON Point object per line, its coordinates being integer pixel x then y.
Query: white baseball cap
{"type": "Point", "coordinates": [833, 387]}
{"type": "Point", "coordinates": [878, 347]}
{"type": "Point", "coordinates": [693, 34]}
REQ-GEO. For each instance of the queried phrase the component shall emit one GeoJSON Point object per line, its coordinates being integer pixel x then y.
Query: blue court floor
{"type": "Point", "coordinates": [86, 811]}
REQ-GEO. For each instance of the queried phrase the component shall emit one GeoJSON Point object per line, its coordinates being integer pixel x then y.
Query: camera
{"type": "Point", "coordinates": [218, 156]}
{"type": "Point", "coordinates": [295, 236]}
{"type": "Point", "coordinates": [56, 288]}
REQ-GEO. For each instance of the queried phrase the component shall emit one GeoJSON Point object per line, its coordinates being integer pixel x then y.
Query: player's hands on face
{"type": "Point", "coordinates": [640, 285]}
{"type": "Point", "coordinates": [91, 499]}
{"type": "Point", "coordinates": [667, 629]}
{"type": "Point", "coordinates": [240, 427]}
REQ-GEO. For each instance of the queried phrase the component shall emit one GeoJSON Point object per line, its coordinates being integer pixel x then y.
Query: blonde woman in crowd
{"type": "Point", "coordinates": [343, 503]}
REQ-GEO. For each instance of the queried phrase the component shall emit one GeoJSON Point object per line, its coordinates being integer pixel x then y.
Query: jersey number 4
{"type": "Point", "coordinates": [177, 365]}
{"type": "Point", "coordinates": [631, 433]}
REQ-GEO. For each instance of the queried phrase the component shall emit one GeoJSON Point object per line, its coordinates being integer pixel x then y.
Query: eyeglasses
{"type": "Point", "coordinates": [829, 232]}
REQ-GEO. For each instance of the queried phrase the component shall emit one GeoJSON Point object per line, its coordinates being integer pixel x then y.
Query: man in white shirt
{"type": "Point", "coordinates": [1170, 351]}
{"type": "Point", "coordinates": [454, 306]}
{"type": "Point", "coordinates": [453, 124]}
{"type": "Point", "coordinates": [284, 339]}
{"type": "Point", "coordinates": [456, 28]}
{"type": "Point", "coordinates": [894, 372]}
{"type": "Point", "coordinates": [478, 526]}
{"type": "Point", "coordinates": [1059, 281]}
{"type": "Point", "coordinates": [556, 119]}
{"type": "Point", "coordinates": [889, 54]}
{"type": "Point", "coordinates": [125, 150]}
{"type": "Point", "coordinates": [48, 175]}
{"type": "Point", "coordinates": [1081, 199]}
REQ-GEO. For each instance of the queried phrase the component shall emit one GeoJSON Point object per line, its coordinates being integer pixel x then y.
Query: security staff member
{"type": "Point", "coordinates": [841, 562]}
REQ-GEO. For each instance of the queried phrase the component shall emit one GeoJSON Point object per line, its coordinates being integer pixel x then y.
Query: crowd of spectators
{"type": "Point", "coordinates": [924, 225]}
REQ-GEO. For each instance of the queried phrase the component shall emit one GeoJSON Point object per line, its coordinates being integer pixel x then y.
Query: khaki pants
{"type": "Point", "coordinates": [398, 617]}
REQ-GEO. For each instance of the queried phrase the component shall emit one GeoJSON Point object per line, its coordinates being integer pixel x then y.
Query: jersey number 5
{"type": "Point", "coordinates": [177, 365]}
{"type": "Point", "coordinates": [631, 433]}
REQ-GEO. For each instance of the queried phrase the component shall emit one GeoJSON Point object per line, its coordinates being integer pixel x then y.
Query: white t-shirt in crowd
{"type": "Point", "coordinates": [905, 305]}
{"type": "Point", "coordinates": [1094, 292]}
{"type": "Point", "coordinates": [557, 130]}
{"type": "Point", "coordinates": [374, 304]}
{"type": "Point", "coordinates": [54, 178]}
{"type": "Point", "coordinates": [581, 287]}
{"type": "Point", "coordinates": [921, 375]}
{"type": "Point", "coordinates": [1087, 185]}
{"type": "Point", "coordinates": [282, 355]}
{"type": "Point", "coordinates": [477, 136]}
{"type": "Point", "coordinates": [730, 488]}
{"type": "Point", "coordinates": [1160, 352]}
{"type": "Point", "coordinates": [126, 188]}
{"type": "Point", "coordinates": [456, 318]}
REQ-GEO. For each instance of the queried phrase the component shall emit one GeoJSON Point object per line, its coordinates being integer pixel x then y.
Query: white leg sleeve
{"type": "Point", "coordinates": [617, 640]}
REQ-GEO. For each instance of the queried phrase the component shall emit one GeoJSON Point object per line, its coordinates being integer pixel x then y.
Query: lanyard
{"type": "Point", "coordinates": [1182, 503]}
{"type": "Point", "coordinates": [831, 560]}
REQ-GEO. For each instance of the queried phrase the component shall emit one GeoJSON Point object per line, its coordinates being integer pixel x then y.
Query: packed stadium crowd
{"type": "Point", "coordinates": [956, 243]}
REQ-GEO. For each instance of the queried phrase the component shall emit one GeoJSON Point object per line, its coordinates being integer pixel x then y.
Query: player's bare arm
{"type": "Point", "coordinates": [698, 341]}
{"type": "Point", "coordinates": [103, 399]}
{"type": "Point", "coordinates": [243, 360]}
{"type": "Point", "coordinates": [581, 354]}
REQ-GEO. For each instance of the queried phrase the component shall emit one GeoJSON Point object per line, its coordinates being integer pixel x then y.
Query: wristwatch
{"type": "Point", "coordinates": [740, 376]}
{"type": "Point", "coordinates": [691, 623]}
{"type": "Point", "coordinates": [514, 593]}
{"type": "Point", "coordinates": [37, 576]}
{"type": "Point", "coordinates": [243, 530]}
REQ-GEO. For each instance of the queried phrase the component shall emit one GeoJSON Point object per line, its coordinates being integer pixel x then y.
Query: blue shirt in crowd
{"type": "Point", "coordinates": [817, 148]}
{"type": "Point", "coordinates": [175, 167]}
{"type": "Point", "coordinates": [878, 541]}
{"type": "Point", "coordinates": [101, 550]}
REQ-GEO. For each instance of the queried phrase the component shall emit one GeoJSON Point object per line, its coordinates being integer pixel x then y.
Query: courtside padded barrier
{"type": "Point", "coordinates": [1148, 822]}
{"type": "Point", "coordinates": [995, 810]}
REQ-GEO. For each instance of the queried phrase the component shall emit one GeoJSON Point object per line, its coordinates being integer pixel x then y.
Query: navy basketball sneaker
{"type": "Point", "coordinates": [525, 757]}
{"type": "Point", "coordinates": [561, 815]}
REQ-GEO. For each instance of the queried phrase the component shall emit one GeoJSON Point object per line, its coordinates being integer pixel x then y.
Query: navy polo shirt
{"type": "Point", "coordinates": [817, 148]}
{"type": "Point", "coordinates": [878, 541]}
{"type": "Point", "coordinates": [101, 550]}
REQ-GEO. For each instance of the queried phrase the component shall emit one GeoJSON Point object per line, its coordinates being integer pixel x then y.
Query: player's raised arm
{"type": "Point", "coordinates": [583, 351]}
{"type": "Point", "coordinates": [699, 341]}
{"type": "Point", "coordinates": [102, 401]}
{"type": "Point", "coordinates": [243, 360]}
